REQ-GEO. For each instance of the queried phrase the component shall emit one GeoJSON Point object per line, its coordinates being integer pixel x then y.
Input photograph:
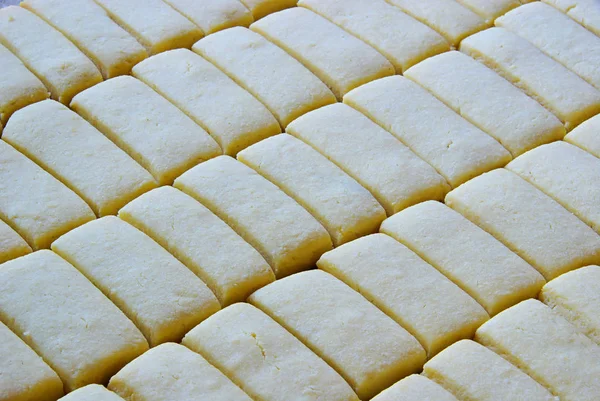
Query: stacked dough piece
{"type": "Point", "coordinates": [170, 178]}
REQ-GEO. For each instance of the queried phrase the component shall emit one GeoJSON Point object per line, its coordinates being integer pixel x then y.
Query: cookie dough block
{"type": "Point", "coordinates": [586, 12]}
{"type": "Point", "coordinates": [264, 359]}
{"type": "Point", "coordinates": [587, 136]}
{"type": "Point", "coordinates": [412, 292]}
{"type": "Point", "coordinates": [232, 116]}
{"type": "Point", "coordinates": [490, 9]}
{"type": "Point", "coordinates": [156, 25]}
{"type": "Point", "coordinates": [156, 291]}
{"type": "Point", "coordinates": [338, 202]}
{"type": "Point", "coordinates": [287, 236]}
{"type": "Point", "coordinates": [449, 18]}
{"type": "Point", "coordinates": [11, 244]}
{"type": "Point", "coordinates": [488, 101]}
{"type": "Point", "coordinates": [18, 86]}
{"type": "Point", "coordinates": [72, 150]}
{"type": "Point", "coordinates": [370, 155]}
{"type": "Point", "coordinates": [528, 222]}
{"type": "Point", "coordinates": [565, 173]}
{"type": "Point", "coordinates": [83, 336]}
{"type": "Point", "coordinates": [148, 127]}
{"type": "Point", "coordinates": [88, 26]}
{"type": "Point", "coordinates": [472, 372]}
{"type": "Point", "coordinates": [184, 375]}
{"type": "Point", "coordinates": [57, 62]}
{"type": "Point", "coordinates": [24, 376]}
{"type": "Point", "coordinates": [457, 149]}
{"type": "Point", "coordinates": [547, 348]}
{"type": "Point", "coordinates": [213, 15]}
{"type": "Point", "coordinates": [262, 8]}
{"type": "Point", "coordinates": [230, 267]}
{"type": "Point", "coordinates": [342, 61]}
{"type": "Point", "coordinates": [403, 40]}
{"type": "Point", "coordinates": [34, 203]}
{"type": "Point", "coordinates": [560, 90]}
{"type": "Point", "coordinates": [558, 36]}
{"type": "Point", "coordinates": [473, 259]}
{"type": "Point", "coordinates": [278, 80]}
{"type": "Point", "coordinates": [415, 388]}
{"type": "Point", "coordinates": [92, 392]}
{"type": "Point", "coordinates": [576, 297]}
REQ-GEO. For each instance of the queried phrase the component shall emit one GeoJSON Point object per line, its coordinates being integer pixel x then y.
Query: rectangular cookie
{"type": "Point", "coordinates": [11, 244]}
{"type": "Point", "coordinates": [156, 291]}
{"type": "Point", "coordinates": [491, 9]}
{"type": "Point", "coordinates": [274, 77]}
{"type": "Point", "coordinates": [587, 136]}
{"type": "Point", "coordinates": [86, 24]}
{"type": "Point", "coordinates": [286, 235]}
{"type": "Point", "coordinates": [57, 62]}
{"type": "Point", "coordinates": [585, 12]}
{"type": "Point", "coordinates": [213, 15]}
{"type": "Point", "coordinates": [547, 348]}
{"type": "Point", "coordinates": [370, 155]}
{"type": "Point", "coordinates": [457, 149]}
{"type": "Point", "coordinates": [342, 61]}
{"type": "Point", "coordinates": [156, 25]}
{"type": "Point", "coordinates": [488, 101]}
{"type": "Point", "coordinates": [184, 375]}
{"type": "Point", "coordinates": [76, 153]}
{"type": "Point", "coordinates": [473, 259]}
{"type": "Point", "coordinates": [364, 345]}
{"type": "Point", "coordinates": [24, 376]}
{"type": "Point", "coordinates": [230, 267]}
{"type": "Point", "coordinates": [91, 392]}
{"type": "Point", "coordinates": [18, 86]}
{"type": "Point", "coordinates": [527, 221]}
{"type": "Point", "coordinates": [232, 116]}
{"type": "Point", "coordinates": [412, 292]}
{"type": "Point", "coordinates": [567, 174]}
{"type": "Point", "coordinates": [34, 203]}
{"type": "Point", "coordinates": [415, 388]}
{"type": "Point", "coordinates": [264, 359]}
{"type": "Point", "coordinates": [147, 126]}
{"type": "Point", "coordinates": [338, 202]}
{"type": "Point", "coordinates": [403, 40]}
{"type": "Point", "coordinates": [83, 336]}
{"type": "Point", "coordinates": [560, 90]}
{"type": "Point", "coordinates": [262, 8]}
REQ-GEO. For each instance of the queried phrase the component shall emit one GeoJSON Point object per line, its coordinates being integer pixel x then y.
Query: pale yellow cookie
{"type": "Point", "coordinates": [261, 8]}
{"type": "Point", "coordinates": [415, 388]}
{"type": "Point", "coordinates": [11, 244]}
{"type": "Point", "coordinates": [586, 12]}
{"type": "Point", "coordinates": [491, 9]}
{"type": "Point", "coordinates": [587, 136]}
{"type": "Point", "coordinates": [213, 15]}
{"type": "Point", "coordinates": [91, 392]}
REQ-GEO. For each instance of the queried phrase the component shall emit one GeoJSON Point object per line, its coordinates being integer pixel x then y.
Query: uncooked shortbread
{"type": "Point", "coordinates": [488, 101]}
{"type": "Point", "coordinates": [24, 376]}
{"type": "Point", "coordinates": [370, 155]}
{"type": "Point", "coordinates": [20, 86]}
{"type": "Point", "coordinates": [448, 17]}
{"type": "Point", "coordinates": [278, 80]}
{"type": "Point", "coordinates": [92, 392]}
{"type": "Point", "coordinates": [213, 15]}
{"type": "Point", "coordinates": [11, 244]}
{"type": "Point", "coordinates": [576, 296]}
{"type": "Point", "coordinates": [338, 202]}
{"type": "Point", "coordinates": [156, 25]}
{"type": "Point", "coordinates": [472, 372]}
{"type": "Point", "coordinates": [547, 348]}
{"type": "Point", "coordinates": [83, 336]}
{"type": "Point", "coordinates": [338, 58]}
{"type": "Point", "coordinates": [528, 222]}
{"type": "Point", "coordinates": [76, 153]}
{"type": "Point", "coordinates": [567, 174]}
{"type": "Point", "coordinates": [587, 136]}
{"type": "Point", "coordinates": [230, 267]}
{"type": "Point", "coordinates": [184, 375]}
{"type": "Point", "coordinates": [232, 116]}
{"type": "Point", "coordinates": [586, 12]}
{"type": "Point", "coordinates": [57, 62]}
{"type": "Point", "coordinates": [415, 388]}
{"type": "Point", "coordinates": [457, 149]}
{"type": "Point", "coordinates": [286, 235]}
{"type": "Point", "coordinates": [147, 126]}
{"type": "Point", "coordinates": [477, 262]}
{"type": "Point", "coordinates": [358, 340]}
{"type": "Point", "coordinates": [264, 359]}
{"type": "Point", "coordinates": [560, 90]}
{"type": "Point", "coordinates": [34, 203]}
{"type": "Point", "coordinates": [86, 24]}
{"type": "Point", "coordinates": [156, 291]}
{"type": "Point", "coordinates": [429, 306]}
{"type": "Point", "coordinates": [261, 8]}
